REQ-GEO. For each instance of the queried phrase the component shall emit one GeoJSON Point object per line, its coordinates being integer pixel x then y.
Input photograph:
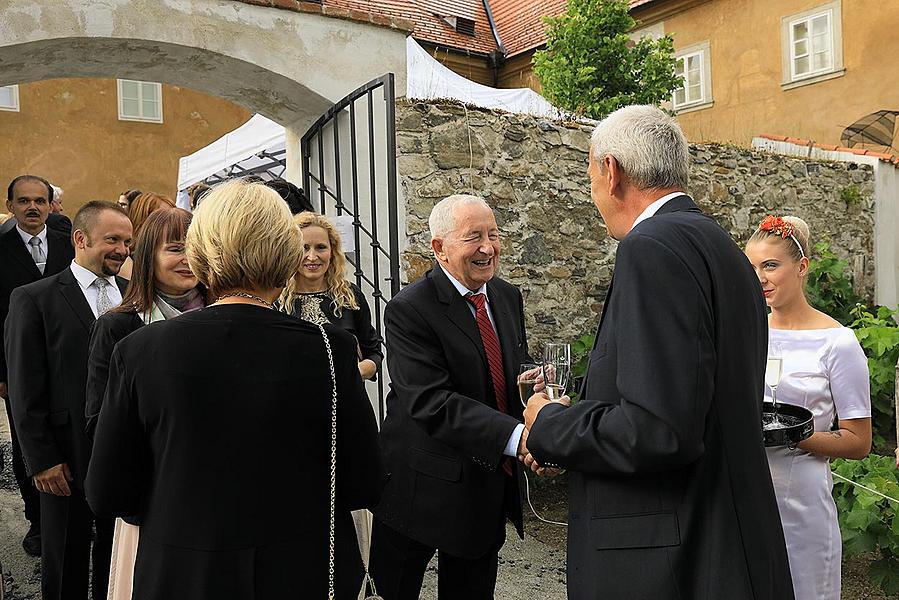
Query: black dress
{"type": "Point", "coordinates": [318, 308]}
{"type": "Point", "coordinates": [216, 429]}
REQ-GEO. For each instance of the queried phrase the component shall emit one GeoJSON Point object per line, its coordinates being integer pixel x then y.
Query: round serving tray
{"type": "Point", "coordinates": [799, 424]}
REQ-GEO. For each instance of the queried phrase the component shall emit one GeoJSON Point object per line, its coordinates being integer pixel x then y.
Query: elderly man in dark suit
{"type": "Point", "coordinates": [670, 494]}
{"type": "Point", "coordinates": [455, 340]}
{"type": "Point", "coordinates": [46, 341]}
{"type": "Point", "coordinates": [29, 250]}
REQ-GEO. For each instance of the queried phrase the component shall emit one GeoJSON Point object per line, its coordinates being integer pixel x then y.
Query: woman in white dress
{"type": "Point", "coordinates": [824, 370]}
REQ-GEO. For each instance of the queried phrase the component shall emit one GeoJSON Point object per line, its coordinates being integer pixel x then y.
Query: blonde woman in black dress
{"type": "Point", "coordinates": [320, 293]}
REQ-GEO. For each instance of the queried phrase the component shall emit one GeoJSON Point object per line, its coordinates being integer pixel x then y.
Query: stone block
{"type": "Point", "coordinates": [453, 148]}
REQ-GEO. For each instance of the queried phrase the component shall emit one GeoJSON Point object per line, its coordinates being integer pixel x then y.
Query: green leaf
{"type": "Point", "coordinates": [884, 573]}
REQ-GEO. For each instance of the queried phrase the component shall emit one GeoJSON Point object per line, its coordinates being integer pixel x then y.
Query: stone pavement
{"type": "Point", "coordinates": [528, 570]}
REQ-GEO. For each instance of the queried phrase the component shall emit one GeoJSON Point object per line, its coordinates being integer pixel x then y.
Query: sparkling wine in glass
{"type": "Point", "coordinates": [527, 379]}
{"type": "Point", "coordinates": [773, 373]}
{"type": "Point", "coordinates": [556, 369]}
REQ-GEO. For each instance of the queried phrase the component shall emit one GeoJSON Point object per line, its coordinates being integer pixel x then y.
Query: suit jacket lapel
{"type": "Point", "coordinates": [56, 257]}
{"type": "Point", "coordinates": [122, 283]}
{"type": "Point", "coordinates": [13, 243]}
{"type": "Point", "coordinates": [505, 330]}
{"type": "Point", "coordinates": [605, 308]}
{"type": "Point", "coordinates": [457, 309]}
{"type": "Point", "coordinates": [75, 298]}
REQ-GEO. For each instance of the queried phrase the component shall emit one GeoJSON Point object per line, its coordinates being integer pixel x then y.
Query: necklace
{"type": "Point", "coordinates": [245, 295]}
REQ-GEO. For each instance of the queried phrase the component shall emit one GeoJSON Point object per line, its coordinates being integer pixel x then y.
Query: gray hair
{"type": "Point", "coordinates": [648, 145]}
{"type": "Point", "coordinates": [443, 216]}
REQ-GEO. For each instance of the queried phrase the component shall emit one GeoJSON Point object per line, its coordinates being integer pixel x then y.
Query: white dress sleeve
{"type": "Point", "coordinates": [850, 384]}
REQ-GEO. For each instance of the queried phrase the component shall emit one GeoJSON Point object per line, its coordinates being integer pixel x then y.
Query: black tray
{"type": "Point", "coordinates": [801, 424]}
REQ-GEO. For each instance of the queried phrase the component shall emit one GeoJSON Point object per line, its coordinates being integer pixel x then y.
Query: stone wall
{"type": "Point", "coordinates": [555, 249]}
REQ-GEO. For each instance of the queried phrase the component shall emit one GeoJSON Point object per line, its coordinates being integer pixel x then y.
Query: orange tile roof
{"type": "Point", "coordinates": [519, 22]}
{"type": "Point", "coordinates": [884, 156]}
{"type": "Point", "coordinates": [428, 26]}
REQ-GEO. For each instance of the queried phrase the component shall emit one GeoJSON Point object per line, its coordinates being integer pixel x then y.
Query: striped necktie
{"type": "Point", "coordinates": [494, 358]}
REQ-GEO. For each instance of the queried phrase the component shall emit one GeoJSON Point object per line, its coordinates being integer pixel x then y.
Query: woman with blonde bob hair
{"type": "Point", "coordinates": [320, 293]}
{"type": "Point", "coordinates": [217, 427]}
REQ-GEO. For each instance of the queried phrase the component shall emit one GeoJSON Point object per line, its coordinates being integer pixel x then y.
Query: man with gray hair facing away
{"type": "Point", "coordinates": [455, 340]}
{"type": "Point", "coordinates": [670, 495]}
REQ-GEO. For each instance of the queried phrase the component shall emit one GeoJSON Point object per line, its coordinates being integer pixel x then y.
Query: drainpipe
{"type": "Point", "coordinates": [496, 58]}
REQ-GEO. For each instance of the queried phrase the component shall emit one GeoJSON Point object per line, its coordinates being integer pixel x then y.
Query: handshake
{"type": "Point", "coordinates": [534, 404]}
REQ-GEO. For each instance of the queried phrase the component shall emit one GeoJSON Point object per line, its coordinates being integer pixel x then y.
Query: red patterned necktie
{"type": "Point", "coordinates": [494, 358]}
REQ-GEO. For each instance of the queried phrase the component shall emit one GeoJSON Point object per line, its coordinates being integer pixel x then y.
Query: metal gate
{"type": "Point", "coordinates": [349, 169]}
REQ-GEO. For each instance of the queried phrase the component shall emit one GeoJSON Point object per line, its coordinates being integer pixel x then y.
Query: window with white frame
{"type": "Point", "coordinates": [9, 98]}
{"type": "Point", "coordinates": [140, 101]}
{"type": "Point", "coordinates": [689, 68]}
{"type": "Point", "coordinates": [811, 45]}
{"type": "Point", "coordinates": [693, 68]}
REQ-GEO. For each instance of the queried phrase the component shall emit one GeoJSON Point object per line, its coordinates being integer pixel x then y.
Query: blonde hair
{"type": "Point", "coordinates": [338, 288]}
{"type": "Point", "coordinates": [243, 237]}
{"type": "Point", "coordinates": [797, 244]}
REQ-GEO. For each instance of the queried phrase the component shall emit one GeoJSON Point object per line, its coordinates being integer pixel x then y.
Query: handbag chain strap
{"type": "Point", "coordinates": [333, 463]}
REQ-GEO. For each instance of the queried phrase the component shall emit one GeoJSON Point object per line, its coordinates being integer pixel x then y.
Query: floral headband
{"type": "Point", "coordinates": [778, 226]}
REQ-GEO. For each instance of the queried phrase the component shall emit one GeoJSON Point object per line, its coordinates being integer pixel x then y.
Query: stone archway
{"type": "Point", "coordinates": [285, 64]}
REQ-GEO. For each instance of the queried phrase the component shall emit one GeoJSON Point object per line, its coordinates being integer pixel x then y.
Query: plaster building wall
{"type": "Point", "coordinates": [288, 65]}
{"type": "Point", "coordinates": [68, 131]}
{"type": "Point", "coordinates": [533, 174]}
{"type": "Point", "coordinates": [747, 73]}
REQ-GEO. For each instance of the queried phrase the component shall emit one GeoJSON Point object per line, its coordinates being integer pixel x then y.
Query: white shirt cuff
{"type": "Point", "coordinates": [514, 440]}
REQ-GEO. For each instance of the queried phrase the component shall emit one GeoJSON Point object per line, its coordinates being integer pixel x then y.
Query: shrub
{"type": "Point", "coordinates": [870, 523]}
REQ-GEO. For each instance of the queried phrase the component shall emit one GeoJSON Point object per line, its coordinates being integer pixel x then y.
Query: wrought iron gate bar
{"type": "Point", "coordinates": [327, 179]}
{"type": "Point", "coordinates": [357, 224]}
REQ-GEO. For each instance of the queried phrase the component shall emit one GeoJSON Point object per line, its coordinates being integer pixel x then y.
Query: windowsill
{"type": "Point", "coordinates": [789, 85]}
{"type": "Point", "coordinates": [139, 120]}
{"type": "Point", "coordinates": [9, 108]}
{"type": "Point", "coordinates": [694, 107]}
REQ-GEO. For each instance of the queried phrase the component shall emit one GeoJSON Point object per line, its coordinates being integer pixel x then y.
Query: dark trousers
{"type": "Point", "coordinates": [30, 495]}
{"type": "Point", "coordinates": [398, 563]}
{"type": "Point", "coordinates": [66, 553]}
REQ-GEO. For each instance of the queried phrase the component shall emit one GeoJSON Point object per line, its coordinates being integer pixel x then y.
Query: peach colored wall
{"type": "Point", "coordinates": [746, 71]}
{"type": "Point", "coordinates": [68, 131]}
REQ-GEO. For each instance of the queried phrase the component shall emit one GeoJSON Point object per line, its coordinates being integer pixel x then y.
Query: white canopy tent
{"type": "Point", "coordinates": [428, 79]}
{"type": "Point", "coordinates": [254, 145]}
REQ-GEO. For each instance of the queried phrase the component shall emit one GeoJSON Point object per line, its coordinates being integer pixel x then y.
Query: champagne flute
{"type": "Point", "coordinates": [773, 372]}
{"type": "Point", "coordinates": [556, 369]}
{"type": "Point", "coordinates": [527, 379]}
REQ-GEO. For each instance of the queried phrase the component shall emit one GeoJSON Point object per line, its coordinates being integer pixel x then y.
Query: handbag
{"type": "Point", "coordinates": [367, 581]}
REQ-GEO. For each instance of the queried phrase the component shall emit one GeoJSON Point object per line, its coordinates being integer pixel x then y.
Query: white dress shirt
{"type": "Point", "coordinates": [86, 280]}
{"type": "Point", "coordinates": [26, 239]}
{"type": "Point", "coordinates": [653, 208]}
{"type": "Point", "coordinates": [515, 439]}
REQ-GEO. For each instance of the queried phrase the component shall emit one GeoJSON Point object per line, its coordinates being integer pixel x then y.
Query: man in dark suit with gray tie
{"type": "Point", "coordinates": [670, 496]}
{"type": "Point", "coordinates": [29, 250]}
{"type": "Point", "coordinates": [46, 339]}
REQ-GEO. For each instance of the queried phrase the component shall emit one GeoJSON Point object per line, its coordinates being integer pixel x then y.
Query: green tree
{"type": "Point", "coordinates": [591, 66]}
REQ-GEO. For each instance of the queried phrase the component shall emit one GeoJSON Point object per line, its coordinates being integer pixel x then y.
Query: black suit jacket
{"type": "Point", "coordinates": [670, 494]}
{"type": "Point", "coordinates": [108, 331]}
{"type": "Point", "coordinates": [46, 340]}
{"type": "Point", "coordinates": [17, 268]}
{"type": "Point", "coordinates": [216, 429]}
{"type": "Point", "coordinates": [443, 438]}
